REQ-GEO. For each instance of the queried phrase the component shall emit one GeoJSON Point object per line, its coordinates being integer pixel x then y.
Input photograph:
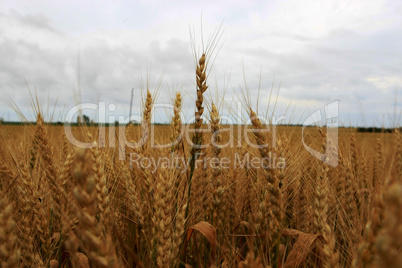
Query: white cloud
{"type": "Point", "coordinates": [386, 82]}
{"type": "Point", "coordinates": [318, 51]}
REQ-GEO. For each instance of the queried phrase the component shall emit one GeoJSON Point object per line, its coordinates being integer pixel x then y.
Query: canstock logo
{"type": "Point", "coordinates": [331, 149]}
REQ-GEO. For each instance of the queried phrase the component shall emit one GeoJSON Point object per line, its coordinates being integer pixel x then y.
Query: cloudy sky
{"type": "Point", "coordinates": [315, 52]}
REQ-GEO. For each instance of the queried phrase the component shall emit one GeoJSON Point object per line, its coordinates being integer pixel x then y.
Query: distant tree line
{"type": "Point", "coordinates": [377, 129]}
{"type": "Point", "coordinates": [83, 120]}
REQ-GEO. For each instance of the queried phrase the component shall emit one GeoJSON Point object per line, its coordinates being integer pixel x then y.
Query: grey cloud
{"type": "Point", "coordinates": [36, 21]}
{"type": "Point", "coordinates": [336, 66]}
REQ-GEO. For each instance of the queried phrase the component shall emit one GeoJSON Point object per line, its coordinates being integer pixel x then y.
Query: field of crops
{"type": "Point", "coordinates": [244, 199]}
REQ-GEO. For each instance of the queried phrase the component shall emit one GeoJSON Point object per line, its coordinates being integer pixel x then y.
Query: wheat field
{"type": "Point", "coordinates": [125, 202]}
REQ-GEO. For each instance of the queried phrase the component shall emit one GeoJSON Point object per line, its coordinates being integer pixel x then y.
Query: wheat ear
{"type": "Point", "coordinates": [176, 124]}
{"type": "Point", "coordinates": [201, 79]}
{"type": "Point", "coordinates": [90, 229]}
{"type": "Point", "coordinates": [9, 255]}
